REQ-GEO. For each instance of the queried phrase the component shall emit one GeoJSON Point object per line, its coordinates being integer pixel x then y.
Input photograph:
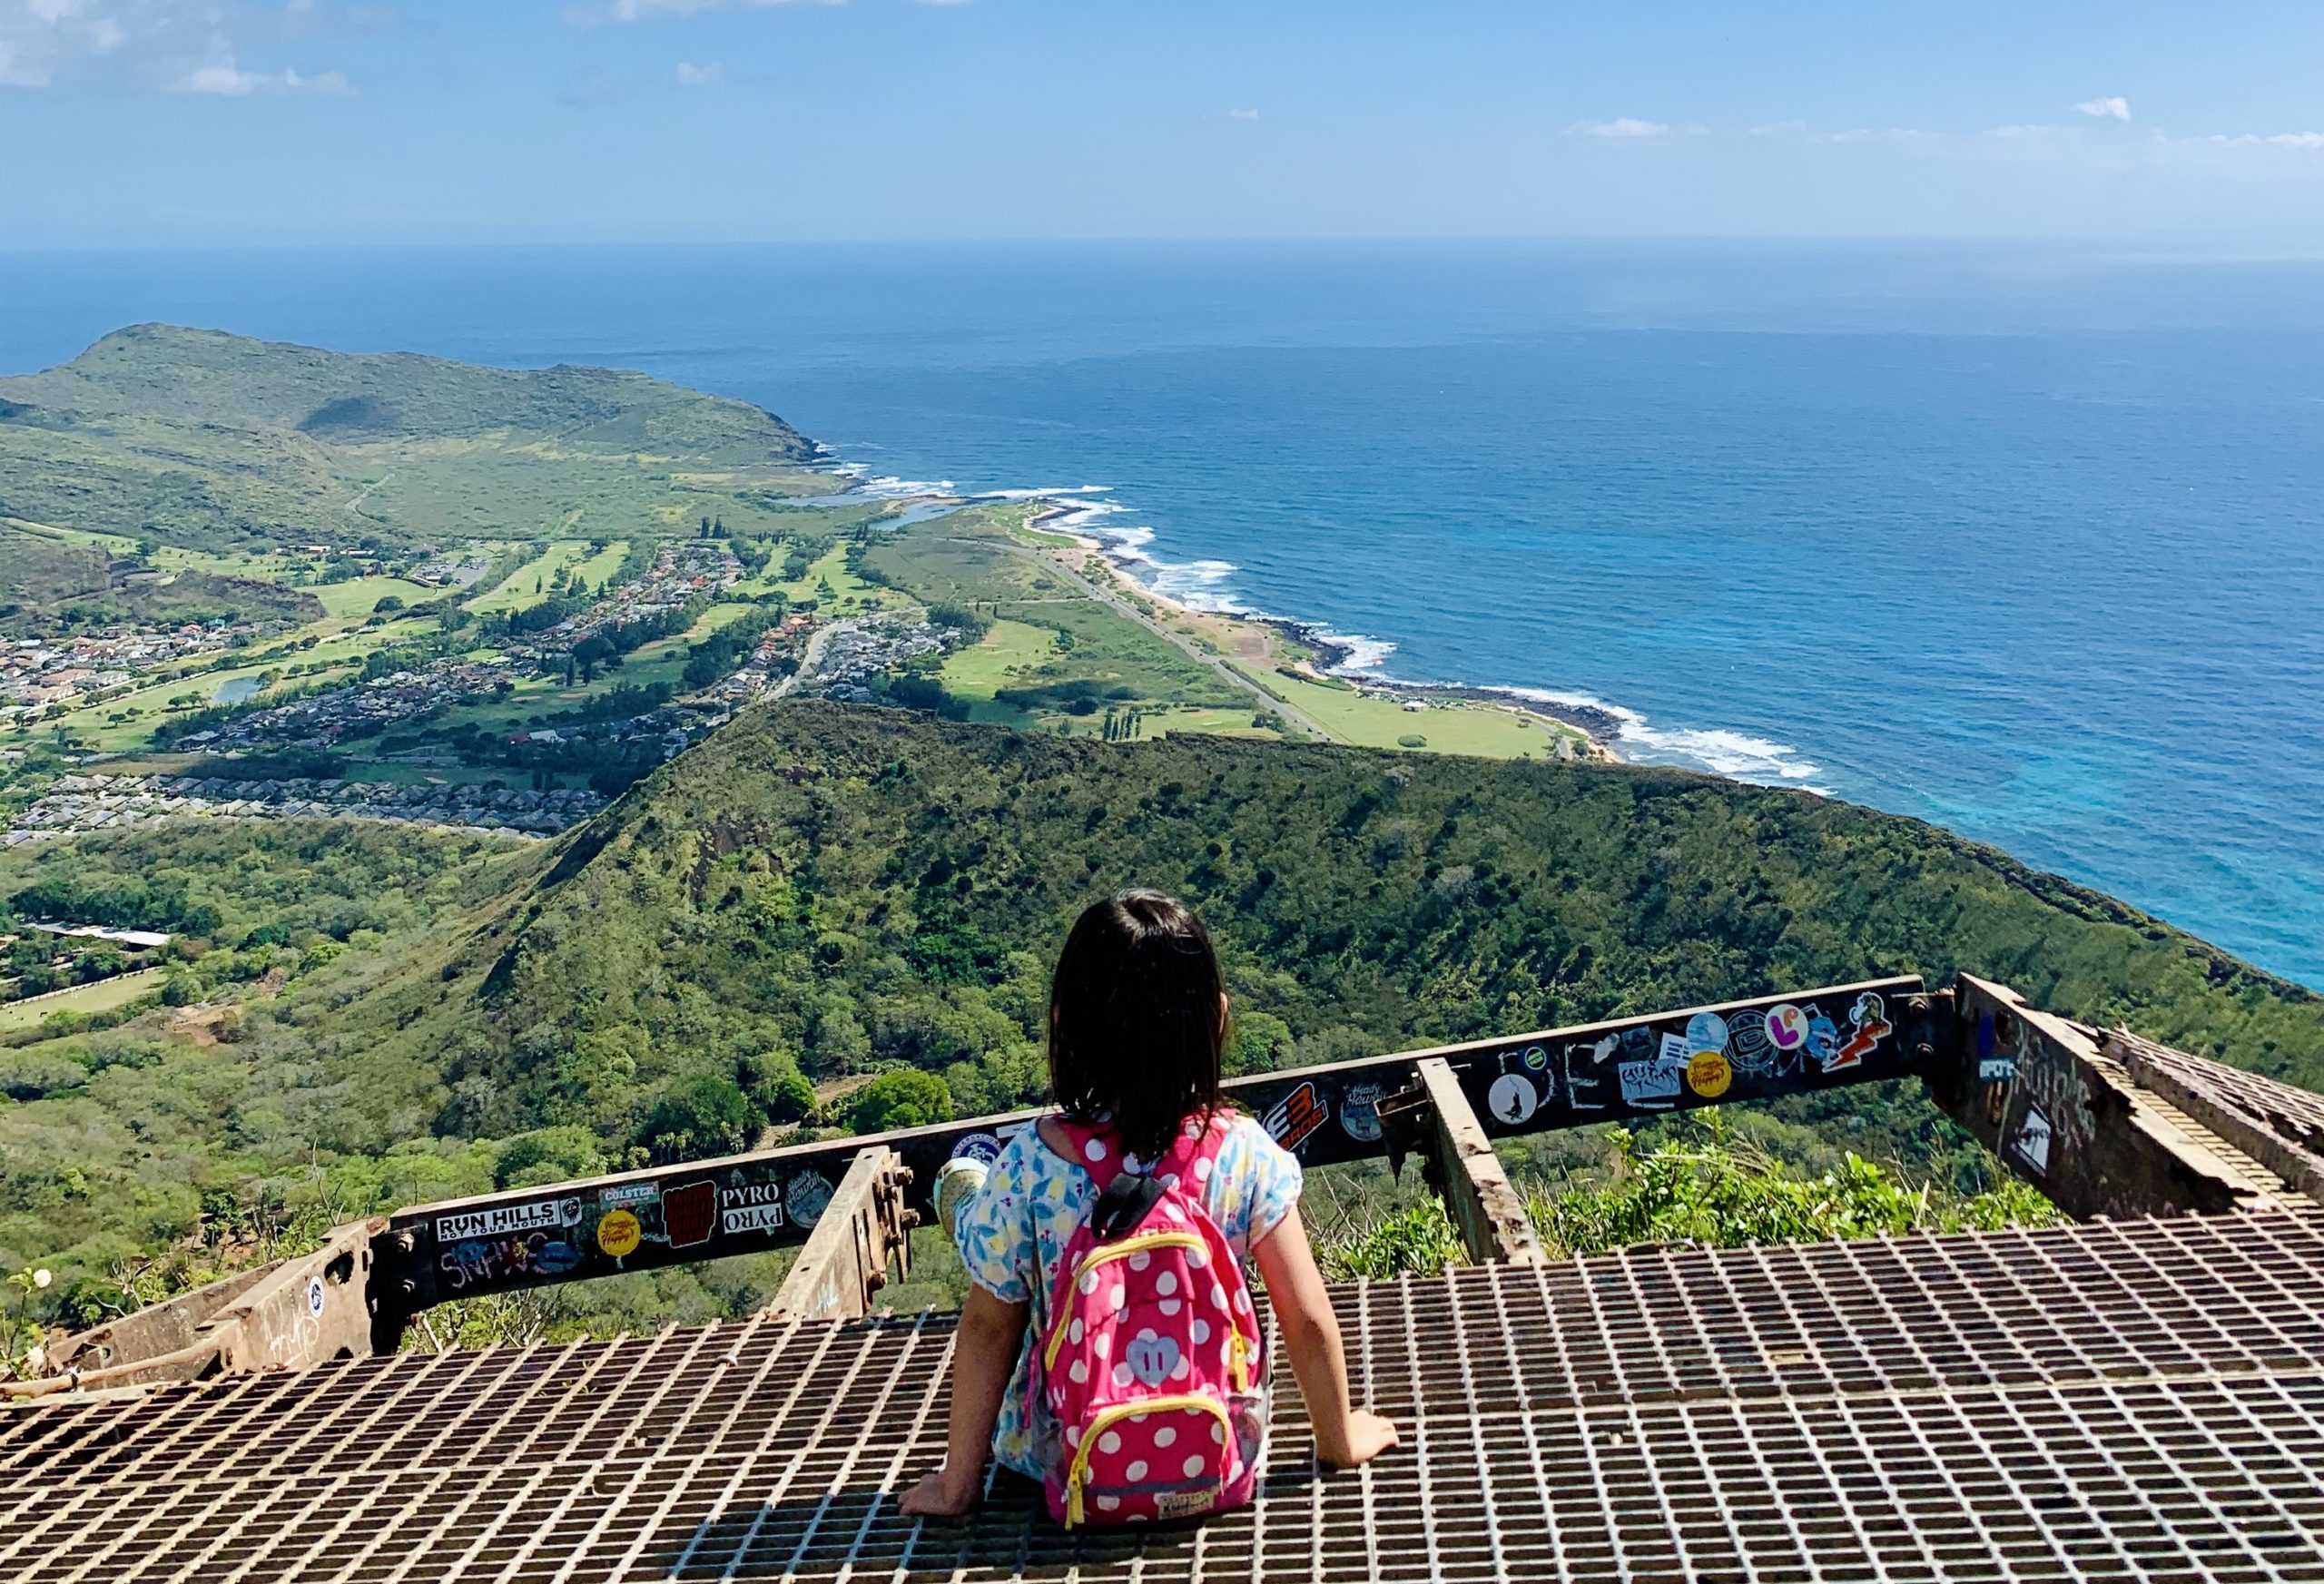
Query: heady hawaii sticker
{"type": "Point", "coordinates": [1360, 1112]}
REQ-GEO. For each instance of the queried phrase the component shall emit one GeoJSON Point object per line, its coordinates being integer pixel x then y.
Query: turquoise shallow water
{"type": "Point", "coordinates": [2028, 544]}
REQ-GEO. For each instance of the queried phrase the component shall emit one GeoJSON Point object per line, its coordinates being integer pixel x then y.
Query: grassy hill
{"type": "Point", "coordinates": [48, 582]}
{"type": "Point", "coordinates": [217, 442]}
{"type": "Point", "coordinates": [824, 890]}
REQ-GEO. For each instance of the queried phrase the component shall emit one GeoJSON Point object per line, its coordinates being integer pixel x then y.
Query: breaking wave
{"type": "Point", "coordinates": [1086, 512]}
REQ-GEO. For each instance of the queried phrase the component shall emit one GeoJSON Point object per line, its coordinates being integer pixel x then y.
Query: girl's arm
{"type": "Point", "coordinates": [984, 1349]}
{"type": "Point", "coordinates": [1345, 1436]}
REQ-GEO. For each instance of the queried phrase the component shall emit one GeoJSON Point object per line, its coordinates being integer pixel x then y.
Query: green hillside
{"type": "Point", "coordinates": [216, 442]}
{"type": "Point", "coordinates": [824, 890]}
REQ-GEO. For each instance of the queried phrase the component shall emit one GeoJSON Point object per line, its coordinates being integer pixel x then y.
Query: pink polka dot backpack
{"type": "Point", "coordinates": [1151, 1370]}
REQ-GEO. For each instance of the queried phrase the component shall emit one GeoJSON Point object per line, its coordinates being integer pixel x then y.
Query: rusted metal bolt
{"type": "Point", "coordinates": [407, 1287]}
{"type": "Point", "coordinates": [875, 1281]}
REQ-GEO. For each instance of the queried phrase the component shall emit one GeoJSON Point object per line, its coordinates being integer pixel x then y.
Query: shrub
{"type": "Point", "coordinates": [698, 1117]}
{"type": "Point", "coordinates": [1726, 1195]}
{"type": "Point", "coordinates": [550, 1155]}
{"type": "Point", "coordinates": [901, 1099]}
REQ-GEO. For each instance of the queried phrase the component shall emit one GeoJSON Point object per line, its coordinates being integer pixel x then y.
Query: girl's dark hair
{"type": "Point", "coordinates": [1136, 1018]}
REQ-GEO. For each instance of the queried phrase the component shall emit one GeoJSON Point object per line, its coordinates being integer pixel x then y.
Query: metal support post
{"type": "Point", "coordinates": [845, 1259]}
{"type": "Point", "coordinates": [1434, 1118]}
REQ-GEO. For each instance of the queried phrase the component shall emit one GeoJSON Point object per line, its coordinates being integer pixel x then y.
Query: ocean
{"type": "Point", "coordinates": [2024, 541]}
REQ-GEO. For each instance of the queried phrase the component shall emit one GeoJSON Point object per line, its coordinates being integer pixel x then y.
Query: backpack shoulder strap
{"type": "Point", "coordinates": [1093, 1149]}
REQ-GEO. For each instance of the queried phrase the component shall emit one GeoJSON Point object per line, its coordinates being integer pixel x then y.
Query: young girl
{"type": "Point", "coordinates": [1137, 1016]}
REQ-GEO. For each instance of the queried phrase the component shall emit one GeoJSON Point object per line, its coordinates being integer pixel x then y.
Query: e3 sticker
{"type": "Point", "coordinates": [1708, 1075]}
{"type": "Point", "coordinates": [1786, 1028]}
{"type": "Point", "coordinates": [1360, 1112]}
{"type": "Point", "coordinates": [1513, 1098]}
{"type": "Point", "coordinates": [618, 1233]}
{"type": "Point", "coordinates": [1295, 1116]}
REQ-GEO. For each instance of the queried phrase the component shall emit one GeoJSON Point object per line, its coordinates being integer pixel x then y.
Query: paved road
{"type": "Point", "coordinates": [817, 642]}
{"type": "Point", "coordinates": [1193, 651]}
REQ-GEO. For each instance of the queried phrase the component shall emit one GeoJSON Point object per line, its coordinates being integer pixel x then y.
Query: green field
{"type": "Point", "coordinates": [1480, 731]}
{"type": "Point", "coordinates": [1006, 652]}
{"type": "Point", "coordinates": [101, 997]}
{"type": "Point", "coordinates": [529, 584]}
{"type": "Point", "coordinates": [360, 596]}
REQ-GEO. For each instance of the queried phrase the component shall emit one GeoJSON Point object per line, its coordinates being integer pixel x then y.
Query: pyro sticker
{"type": "Point", "coordinates": [750, 1207]}
{"type": "Point", "coordinates": [1295, 1116]}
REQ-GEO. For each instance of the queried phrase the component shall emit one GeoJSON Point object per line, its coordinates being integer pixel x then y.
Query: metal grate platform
{"type": "Point", "coordinates": [2133, 1399]}
{"type": "Point", "coordinates": [2299, 1112]}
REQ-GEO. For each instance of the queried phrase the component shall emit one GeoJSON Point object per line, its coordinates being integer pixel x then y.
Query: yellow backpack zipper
{"type": "Point", "coordinates": [1079, 1474]}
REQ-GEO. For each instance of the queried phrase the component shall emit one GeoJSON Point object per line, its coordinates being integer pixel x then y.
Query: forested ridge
{"type": "Point", "coordinates": [818, 891]}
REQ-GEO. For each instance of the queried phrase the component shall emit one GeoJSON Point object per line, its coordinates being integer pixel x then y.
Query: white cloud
{"type": "Point", "coordinates": [1781, 129]}
{"type": "Point", "coordinates": [690, 75]}
{"type": "Point", "coordinates": [226, 79]}
{"type": "Point", "coordinates": [1875, 134]}
{"type": "Point", "coordinates": [2113, 107]}
{"type": "Point", "coordinates": [2306, 140]}
{"type": "Point", "coordinates": [1242, 115]}
{"type": "Point", "coordinates": [614, 12]}
{"type": "Point", "coordinates": [1626, 129]}
{"type": "Point", "coordinates": [182, 46]}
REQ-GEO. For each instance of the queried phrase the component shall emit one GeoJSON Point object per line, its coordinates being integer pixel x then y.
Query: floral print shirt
{"type": "Point", "coordinates": [1012, 1235]}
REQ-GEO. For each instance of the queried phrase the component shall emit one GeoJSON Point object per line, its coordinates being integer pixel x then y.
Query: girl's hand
{"type": "Point", "coordinates": [934, 1497]}
{"type": "Point", "coordinates": [1368, 1435]}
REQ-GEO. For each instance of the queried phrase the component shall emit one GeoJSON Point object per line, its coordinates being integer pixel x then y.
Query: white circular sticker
{"type": "Point", "coordinates": [315, 1298]}
{"type": "Point", "coordinates": [1513, 1098]}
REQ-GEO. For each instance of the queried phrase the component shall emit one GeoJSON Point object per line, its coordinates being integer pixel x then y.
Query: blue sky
{"type": "Point", "coordinates": [170, 122]}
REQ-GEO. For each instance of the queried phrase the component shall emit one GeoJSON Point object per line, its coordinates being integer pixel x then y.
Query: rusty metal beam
{"type": "Point", "coordinates": [1460, 1164]}
{"type": "Point", "coordinates": [2041, 1093]}
{"type": "Point", "coordinates": [290, 1314]}
{"type": "Point", "coordinates": [2301, 1166]}
{"type": "Point", "coordinates": [845, 1261]}
{"type": "Point", "coordinates": [1623, 1070]}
